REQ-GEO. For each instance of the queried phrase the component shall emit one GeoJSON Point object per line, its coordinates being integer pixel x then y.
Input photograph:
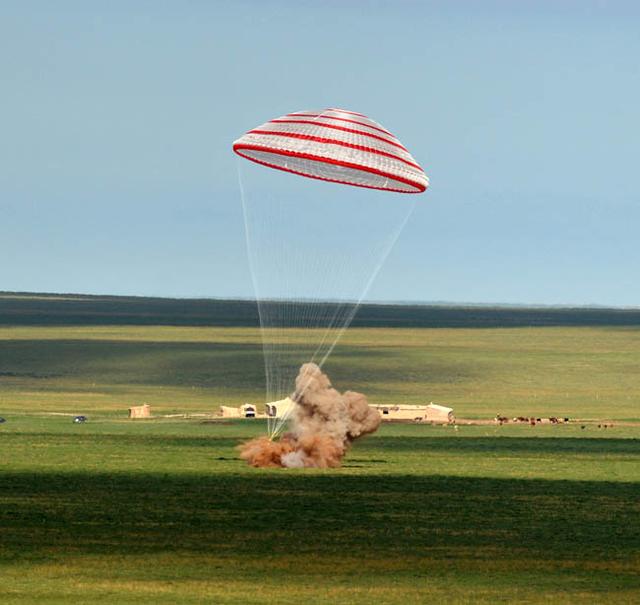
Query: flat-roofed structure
{"type": "Point", "coordinates": [433, 412]}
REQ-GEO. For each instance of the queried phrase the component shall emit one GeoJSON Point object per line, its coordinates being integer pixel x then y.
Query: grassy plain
{"type": "Point", "coordinates": [580, 372]}
{"type": "Point", "coordinates": [162, 511]}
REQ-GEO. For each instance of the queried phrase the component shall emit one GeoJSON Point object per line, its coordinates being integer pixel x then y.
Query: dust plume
{"type": "Point", "coordinates": [324, 423]}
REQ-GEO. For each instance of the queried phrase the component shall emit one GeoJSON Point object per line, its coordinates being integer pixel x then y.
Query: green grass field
{"type": "Point", "coordinates": [163, 511]}
{"type": "Point", "coordinates": [580, 372]}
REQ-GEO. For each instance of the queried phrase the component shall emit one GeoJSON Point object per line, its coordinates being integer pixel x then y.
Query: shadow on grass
{"type": "Point", "coordinates": [199, 364]}
{"type": "Point", "coordinates": [512, 446]}
{"type": "Point", "coordinates": [262, 514]}
{"type": "Point", "coordinates": [148, 363]}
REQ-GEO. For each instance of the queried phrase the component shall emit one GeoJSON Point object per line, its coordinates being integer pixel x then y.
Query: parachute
{"type": "Point", "coordinates": [334, 145]}
{"type": "Point", "coordinates": [314, 245]}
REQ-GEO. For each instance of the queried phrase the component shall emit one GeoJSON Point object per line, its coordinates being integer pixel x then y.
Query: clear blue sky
{"type": "Point", "coordinates": [116, 119]}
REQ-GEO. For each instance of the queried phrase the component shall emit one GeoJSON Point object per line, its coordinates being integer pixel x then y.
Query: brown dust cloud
{"type": "Point", "coordinates": [323, 425]}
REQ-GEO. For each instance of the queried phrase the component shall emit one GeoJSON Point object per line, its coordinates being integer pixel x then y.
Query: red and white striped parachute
{"type": "Point", "coordinates": [334, 145]}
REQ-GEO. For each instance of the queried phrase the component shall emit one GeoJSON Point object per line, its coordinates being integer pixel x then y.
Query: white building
{"type": "Point", "coordinates": [439, 413]}
{"type": "Point", "coordinates": [246, 410]}
{"type": "Point", "coordinates": [278, 409]}
{"type": "Point", "coordinates": [275, 409]}
{"type": "Point", "coordinates": [417, 413]}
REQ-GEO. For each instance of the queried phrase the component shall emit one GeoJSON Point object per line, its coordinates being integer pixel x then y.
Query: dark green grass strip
{"type": "Point", "coordinates": [73, 309]}
{"type": "Point", "coordinates": [266, 515]}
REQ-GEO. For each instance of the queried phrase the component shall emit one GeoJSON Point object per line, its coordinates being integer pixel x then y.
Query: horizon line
{"type": "Point", "coordinates": [407, 302]}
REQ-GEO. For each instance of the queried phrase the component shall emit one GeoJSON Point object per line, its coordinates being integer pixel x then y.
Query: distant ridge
{"type": "Point", "coordinates": [27, 308]}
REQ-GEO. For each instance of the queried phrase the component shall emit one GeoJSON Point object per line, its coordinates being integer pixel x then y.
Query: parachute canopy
{"type": "Point", "coordinates": [334, 145]}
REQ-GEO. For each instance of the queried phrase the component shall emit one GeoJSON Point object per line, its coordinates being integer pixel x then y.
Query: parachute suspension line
{"type": "Point", "coordinates": [254, 280]}
{"type": "Point", "coordinates": [386, 249]}
{"type": "Point", "coordinates": [270, 322]}
{"type": "Point", "coordinates": [336, 329]}
{"type": "Point", "coordinates": [309, 313]}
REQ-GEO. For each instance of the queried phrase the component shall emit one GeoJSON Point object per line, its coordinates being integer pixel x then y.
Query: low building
{"type": "Point", "coordinates": [439, 413]}
{"type": "Point", "coordinates": [280, 409]}
{"type": "Point", "coordinates": [433, 412]}
{"type": "Point", "coordinates": [275, 409]}
{"type": "Point", "coordinates": [140, 411]}
{"type": "Point", "coordinates": [246, 410]}
{"type": "Point", "coordinates": [229, 412]}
